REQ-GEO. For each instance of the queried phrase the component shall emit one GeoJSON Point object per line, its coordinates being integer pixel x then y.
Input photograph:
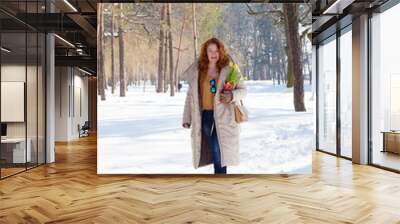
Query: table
{"type": "Point", "coordinates": [13, 150]}
{"type": "Point", "coordinates": [391, 141]}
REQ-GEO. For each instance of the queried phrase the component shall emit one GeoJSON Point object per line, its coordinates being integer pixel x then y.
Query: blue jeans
{"type": "Point", "coordinates": [210, 132]}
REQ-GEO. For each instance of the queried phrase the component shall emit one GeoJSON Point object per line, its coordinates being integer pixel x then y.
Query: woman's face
{"type": "Point", "coordinates": [212, 53]}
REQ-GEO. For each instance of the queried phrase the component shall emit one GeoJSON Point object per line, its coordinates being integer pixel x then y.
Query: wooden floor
{"type": "Point", "coordinates": [5, 172]}
{"type": "Point", "coordinates": [70, 191]}
{"type": "Point", "coordinates": [387, 159]}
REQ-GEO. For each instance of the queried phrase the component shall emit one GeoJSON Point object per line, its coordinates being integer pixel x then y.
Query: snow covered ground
{"type": "Point", "coordinates": [142, 134]}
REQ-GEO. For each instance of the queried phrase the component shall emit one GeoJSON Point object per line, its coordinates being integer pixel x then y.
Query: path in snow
{"type": "Point", "coordinates": [142, 133]}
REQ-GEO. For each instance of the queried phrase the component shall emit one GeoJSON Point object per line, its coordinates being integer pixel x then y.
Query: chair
{"type": "Point", "coordinates": [84, 130]}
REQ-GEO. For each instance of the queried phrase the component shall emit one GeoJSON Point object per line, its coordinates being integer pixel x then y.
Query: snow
{"type": "Point", "coordinates": [142, 133]}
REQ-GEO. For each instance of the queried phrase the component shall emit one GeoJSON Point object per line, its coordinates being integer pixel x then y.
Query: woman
{"type": "Point", "coordinates": [210, 113]}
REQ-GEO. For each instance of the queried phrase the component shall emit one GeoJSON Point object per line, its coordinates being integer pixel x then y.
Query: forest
{"type": "Point", "coordinates": [151, 44]}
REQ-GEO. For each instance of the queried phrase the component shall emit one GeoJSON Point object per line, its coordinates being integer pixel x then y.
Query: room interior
{"type": "Point", "coordinates": [48, 91]}
{"type": "Point", "coordinates": [25, 67]}
{"type": "Point", "coordinates": [22, 101]}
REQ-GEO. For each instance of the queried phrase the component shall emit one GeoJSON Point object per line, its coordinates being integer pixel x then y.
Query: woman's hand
{"type": "Point", "coordinates": [186, 125]}
{"type": "Point", "coordinates": [226, 97]}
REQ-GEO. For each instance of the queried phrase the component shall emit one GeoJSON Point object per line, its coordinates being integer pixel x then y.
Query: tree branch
{"type": "Point", "coordinates": [304, 33]}
{"type": "Point", "coordinates": [250, 11]}
{"type": "Point", "coordinates": [145, 28]}
{"type": "Point", "coordinates": [302, 20]}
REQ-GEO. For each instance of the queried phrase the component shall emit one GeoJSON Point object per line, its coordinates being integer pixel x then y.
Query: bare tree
{"type": "Point", "coordinates": [122, 88]}
{"type": "Point", "coordinates": [112, 51]}
{"type": "Point", "coordinates": [161, 59]}
{"type": "Point", "coordinates": [100, 64]}
{"type": "Point", "coordinates": [165, 64]}
{"type": "Point", "coordinates": [179, 52]}
{"type": "Point", "coordinates": [171, 60]}
{"type": "Point", "coordinates": [289, 14]}
{"type": "Point", "coordinates": [255, 53]}
{"type": "Point", "coordinates": [292, 20]}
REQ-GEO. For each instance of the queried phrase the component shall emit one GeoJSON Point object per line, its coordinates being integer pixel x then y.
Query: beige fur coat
{"type": "Point", "coordinates": [227, 129]}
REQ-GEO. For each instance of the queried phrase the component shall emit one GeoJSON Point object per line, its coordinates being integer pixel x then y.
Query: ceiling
{"type": "Point", "coordinates": [328, 15]}
{"type": "Point", "coordinates": [73, 21]}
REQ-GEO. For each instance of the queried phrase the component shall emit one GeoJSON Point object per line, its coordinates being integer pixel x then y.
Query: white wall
{"type": "Point", "coordinates": [50, 94]}
{"type": "Point", "coordinates": [12, 101]}
{"type": "Point", "coordinates": [360, 90]}
{"type": "Point", "coordinates": [314, 89]}
{"type": "Point", "coordinates": [71, 94]}
{"type": "Point", "coordinates": [17, 73]}
{"type": "Point", "coordinates": [62, 82]}
{"type": "Point", "coordinates": [33, 126]}
{"type": "Point", "coordinates": [80, 110]}
{"type": "Point", "coordinates": [14, 73]}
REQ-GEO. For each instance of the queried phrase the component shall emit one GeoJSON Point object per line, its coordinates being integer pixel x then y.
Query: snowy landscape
{"type": "Point", "coordinates": [142, 133]}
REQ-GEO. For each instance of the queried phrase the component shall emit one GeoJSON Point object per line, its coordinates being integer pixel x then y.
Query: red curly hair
{"type": "Point", "coordinates": [223, 55]}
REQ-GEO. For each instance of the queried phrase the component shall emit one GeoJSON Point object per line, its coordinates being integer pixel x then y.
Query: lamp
{"type": "Point", "coordinates": [5, 50]}
{"type": "Point", "coordinates": [64, 40]}
{"type": "Point", "coordinates": [84, 71]}
{"type": "Point", "coordinates": [70, 5]}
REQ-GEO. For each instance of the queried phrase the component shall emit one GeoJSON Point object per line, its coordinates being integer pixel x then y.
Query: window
{"type": "Point", "coordinates": [327, 96]}
{"type": "Point", "coordinates": [22, 81]}
{"type": "Point", "coordinates": [346, 93]}
{"type": "Point", "coordinates": [385, 89]}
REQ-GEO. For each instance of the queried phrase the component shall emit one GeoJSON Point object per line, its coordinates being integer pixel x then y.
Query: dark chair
{"type": "Point", "coordinates": [84, 130]}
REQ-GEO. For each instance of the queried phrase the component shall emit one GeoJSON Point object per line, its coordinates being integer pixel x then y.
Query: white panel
{"type": "Point", "coordinates": [338, 6]}
{"type": "Point", "coordinates": [20, 155]}
{"type": "Point", "coordinates": [395, 102]}
{"type": "Point", "coordinates": [77, 118]}
{"type": "Point", "coordinates": [360, 90]}
{"type": "Point", "coordinates": [12, 101]}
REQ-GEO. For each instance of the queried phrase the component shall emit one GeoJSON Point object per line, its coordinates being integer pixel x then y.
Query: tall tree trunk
{"type": "Point", "coordinates": [269, 60]}
{"type": "Point", "coordinates": [144, 77]}
{"type": "Point", "coordinates": [165, 64]}
{"type": "Point", "coordinates": [290, 77]}
{"type": "Point", "coordinates": [171, 59]}
{"type": "Point", "coordinates": [122, 85]}
{"type": "Point", "coordinates": [161, 58]}
{"type": "Point", "coordinates": [268, 66]}
{"type": "Point", "coordinates": [289, 72]}
{"type": "Point", "coordinates": [112, 52]}
{"type": "Point", "coordinates": [100, 64]}
{"type": "Point", "coordinates": [179, 52]}
{"type": "Point", "coordinates": [282, 62]}
{"type": "Point", "coordinates": [137, 78]}
{"type": "Point", "coordinates": [276, 65]}
{"type": "Point", "coordinates": [292, 25]}
{"type": "Point", "coordinates": [309, 63]}
{"type": "Point", "coordinates": [255, 55]}
{"type": "Point", "coordinates": [194, 30]}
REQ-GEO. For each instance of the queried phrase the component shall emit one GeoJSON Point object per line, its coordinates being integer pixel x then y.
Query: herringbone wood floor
{"type": "Point", "coordinates": [70, 191]}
